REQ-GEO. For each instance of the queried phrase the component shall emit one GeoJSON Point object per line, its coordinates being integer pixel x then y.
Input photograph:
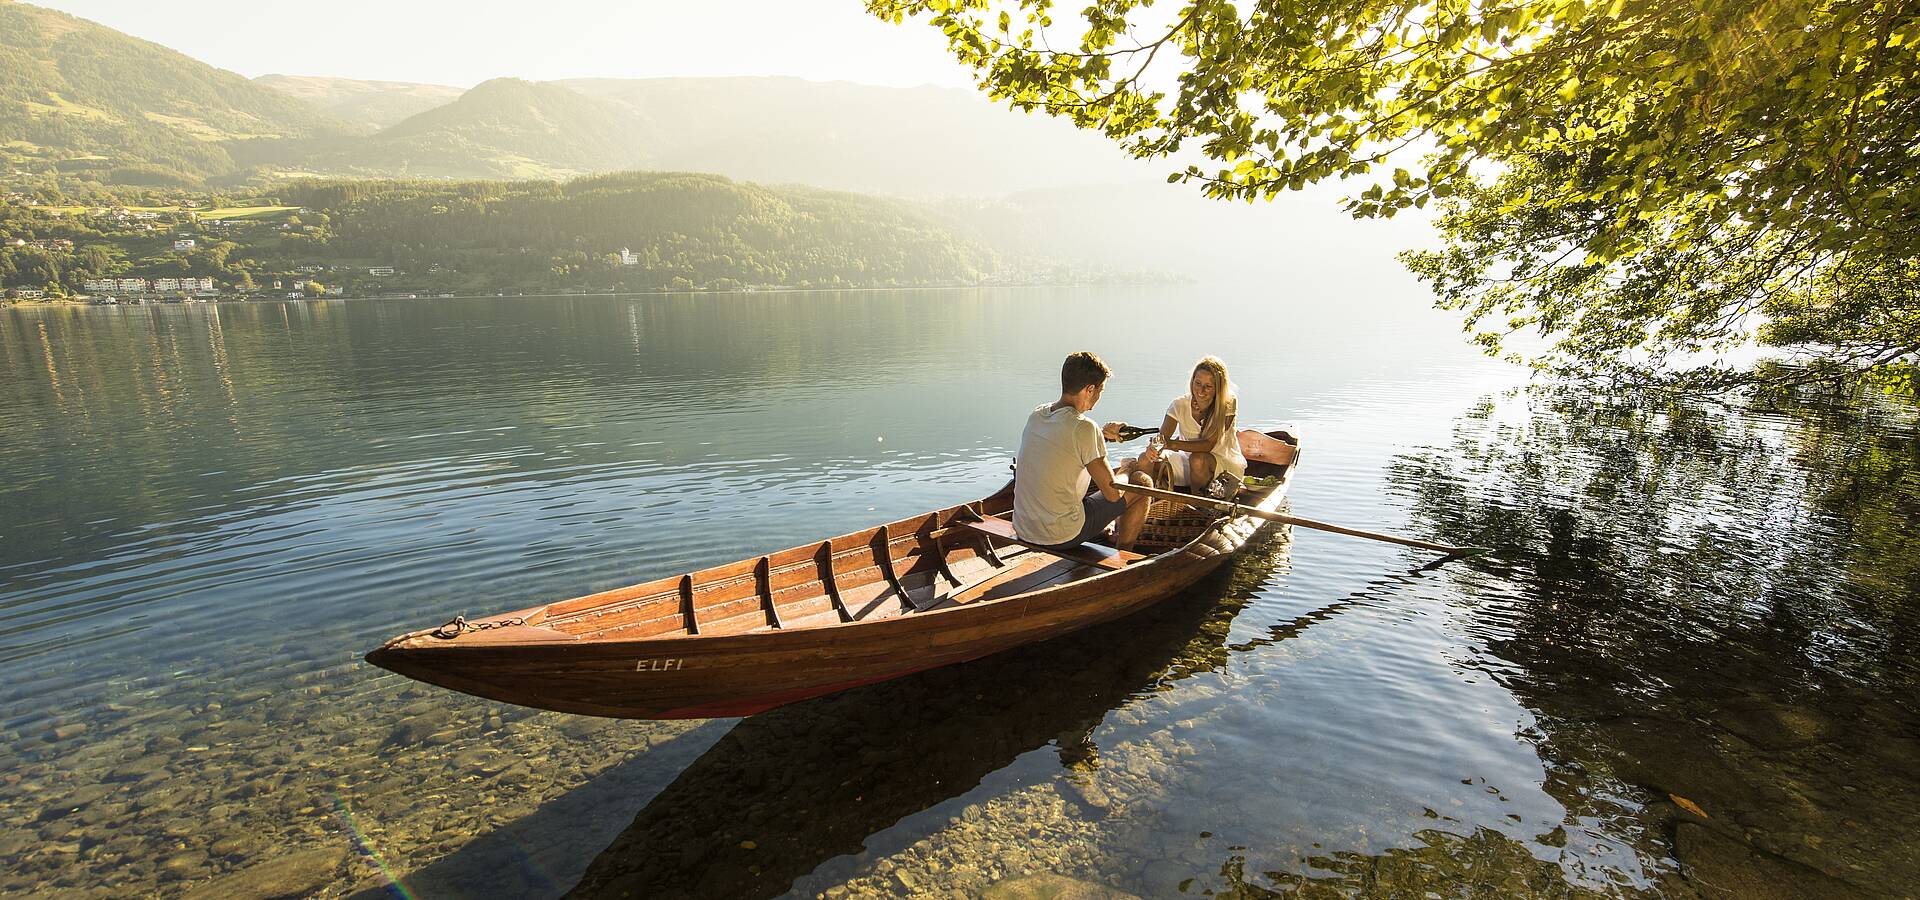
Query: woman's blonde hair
{"type": "Point", "coordinates": [1223, 402]}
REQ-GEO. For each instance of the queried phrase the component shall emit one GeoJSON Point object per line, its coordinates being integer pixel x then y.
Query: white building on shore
{"type": "Point", "coordinates": [201, 284]}
{"type": "Point", "coordinates": [183, 284]}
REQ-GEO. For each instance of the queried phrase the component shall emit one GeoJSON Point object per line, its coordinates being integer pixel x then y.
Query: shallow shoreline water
{"type": "Point", "coordinates": [1687, 669]}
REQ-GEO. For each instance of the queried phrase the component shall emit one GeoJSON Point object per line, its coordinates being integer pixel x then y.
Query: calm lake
{"type": "Point", "coordinates": [1688, 668]}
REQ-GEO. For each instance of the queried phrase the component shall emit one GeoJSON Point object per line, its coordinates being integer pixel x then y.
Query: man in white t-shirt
{"type": "Point", "coordinates": [1062, 453]}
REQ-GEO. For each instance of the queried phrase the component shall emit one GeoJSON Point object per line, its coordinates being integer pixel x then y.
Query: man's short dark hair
{"type": "Point", "coordinates": [1080, 370]}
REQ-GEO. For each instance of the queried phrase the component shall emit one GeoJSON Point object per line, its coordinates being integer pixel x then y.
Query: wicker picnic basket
{"type": "Point", "coordinates": [1170, 524]}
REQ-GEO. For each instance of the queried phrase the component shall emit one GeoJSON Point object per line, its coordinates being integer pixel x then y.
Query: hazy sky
{"type": "Point", "coordinates": [463, 44]}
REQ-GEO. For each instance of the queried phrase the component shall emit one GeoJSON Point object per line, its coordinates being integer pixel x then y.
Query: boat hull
{"type": "Point", "coordinates": [738, 675]}
{"type": "Point", "coordinates": [692, 675]}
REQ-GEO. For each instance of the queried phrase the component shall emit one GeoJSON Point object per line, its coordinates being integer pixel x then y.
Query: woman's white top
{"type": "Point", "coordinates": [1226, 453]}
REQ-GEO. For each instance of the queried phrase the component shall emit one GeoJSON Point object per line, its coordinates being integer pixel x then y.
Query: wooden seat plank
{"type": "Point", "coordinates": [1036, 568]}
{"type": "Point", "coordinates": [1085, 554]}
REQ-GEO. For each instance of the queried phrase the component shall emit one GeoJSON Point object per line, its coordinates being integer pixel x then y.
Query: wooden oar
{"type": "Point", "coordinates": [1239, 509]}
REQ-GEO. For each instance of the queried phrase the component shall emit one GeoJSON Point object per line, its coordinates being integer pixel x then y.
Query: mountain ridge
{"type": "Point", "coordinates": [370, 104]}
{"type": "Point", "coordinates": [79, 99]}
{"type": "Point", "coordinates": [502, 128]}
{"type": "Point", "coordinates": [925, 141]}
{"type": "Point", "coordinates": [76, 92]}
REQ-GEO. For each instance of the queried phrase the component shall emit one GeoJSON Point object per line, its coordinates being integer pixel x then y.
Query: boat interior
{"type": "Point", "coordinates": [952, 557]}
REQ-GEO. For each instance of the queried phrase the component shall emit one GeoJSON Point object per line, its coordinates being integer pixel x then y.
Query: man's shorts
{"type": "Point", "coordinates": [1100, 512]}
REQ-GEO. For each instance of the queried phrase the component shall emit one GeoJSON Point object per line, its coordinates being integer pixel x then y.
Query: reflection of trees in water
{"type": "Point", "coordinates": [1716, 603]}
{"type": "Point", "coordinates": [809, 782]}
{"type": "Point", "coordinates": [159, 414]}
{"type": "Point", "coordinates": [1483, 863]}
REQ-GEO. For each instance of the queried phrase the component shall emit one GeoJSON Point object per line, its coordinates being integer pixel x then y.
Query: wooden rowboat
{"type": "Point", "coordinates": [931, 590]}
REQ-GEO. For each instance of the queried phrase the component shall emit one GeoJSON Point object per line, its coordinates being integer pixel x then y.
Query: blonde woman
{"type": "Point", "coordinates": [1204, 451]}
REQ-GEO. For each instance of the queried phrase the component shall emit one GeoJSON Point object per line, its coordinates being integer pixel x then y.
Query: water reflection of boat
{"type": "Point", "coordinates": [923, 592]}
{"type": "Point", "coordinates": [813, 781]}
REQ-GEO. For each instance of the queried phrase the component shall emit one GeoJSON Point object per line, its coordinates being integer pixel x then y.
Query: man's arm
{"type": "Point", "coordinates": [1103, 479]}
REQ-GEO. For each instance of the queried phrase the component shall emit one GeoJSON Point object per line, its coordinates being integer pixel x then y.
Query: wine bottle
{"type": "Point", "coordinates": [1129, 432]}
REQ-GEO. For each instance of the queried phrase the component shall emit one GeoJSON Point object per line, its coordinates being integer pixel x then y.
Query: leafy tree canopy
{"type": "Point", "coordinates": [1646, 186]}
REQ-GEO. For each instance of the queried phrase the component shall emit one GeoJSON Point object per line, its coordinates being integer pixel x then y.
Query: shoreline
{"type": "Point", "coordinates": [500, 296]}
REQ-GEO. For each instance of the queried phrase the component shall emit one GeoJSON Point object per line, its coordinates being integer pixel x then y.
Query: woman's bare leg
{"type": "Point", "coordinates": [1200, 468]}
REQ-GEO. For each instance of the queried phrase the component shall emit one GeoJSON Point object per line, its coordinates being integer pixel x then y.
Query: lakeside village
{"type": "Point", "coordinates": [307, 281]}
{"type": "Point", "coordinates": [188, 237]}
{"type": "Point", "coordinates": [406, 239]}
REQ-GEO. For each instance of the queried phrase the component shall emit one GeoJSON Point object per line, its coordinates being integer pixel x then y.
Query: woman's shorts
{"type": "Point", "coordinates": [1180, 462]}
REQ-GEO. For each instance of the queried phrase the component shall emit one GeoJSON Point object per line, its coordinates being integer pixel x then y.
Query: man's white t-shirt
{"type": "Point", "coordinates": [1051, 474]}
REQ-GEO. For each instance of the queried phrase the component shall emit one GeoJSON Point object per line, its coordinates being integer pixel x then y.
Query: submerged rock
{"type": "Point", "coordinates": [231, 845]}
{"type": "Point", "coordinates": [580, 728]}
{"type": "Point", "coordinates": [137, 769]}
{"type": "Point", "coordinates": [1163, 877]}
{"type": "Point", "coordinates": [65, 732]}
{"type": "Point", "coordinates": [1089, 796]}
{"type": "Point", "coordinates": [79, 798]}
{"type": "Point", "coordinates": [184, 864]}
{"type": "Point", "coordinates": [1774, 728]}
{"type": "Point", "coordinates": [12, 843]}
{"type": "Point", "coordinates": [294, 875]}
{"type": "Point", "coordinates": [478, 762]}
{"type": "Point", "coordinates": [1052, 887]}
{"type": "Point", "coordinates": [1720, 865]}
{"type": "Point", "coordinates": [418, 728]}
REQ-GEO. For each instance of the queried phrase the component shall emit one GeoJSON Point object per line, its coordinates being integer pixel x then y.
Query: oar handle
{"type": "Point", "coordinates": [1283, 518]}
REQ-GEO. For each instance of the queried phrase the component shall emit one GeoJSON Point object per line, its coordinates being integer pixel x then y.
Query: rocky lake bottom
{"type": "Point", "coordinates": [1687, 667]}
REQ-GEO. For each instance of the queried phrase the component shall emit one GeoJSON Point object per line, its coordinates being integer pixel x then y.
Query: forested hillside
{"type": "Point", "coordinates": [80, 102]}
{"type": "Point", "coordinates": [627, 232]}
{"type": "Point", "coordinates": [686, 229]}
{"type": "Point", "coordinates": [93, 121]}
{"type": "Point", "coordinates": [76, 96]}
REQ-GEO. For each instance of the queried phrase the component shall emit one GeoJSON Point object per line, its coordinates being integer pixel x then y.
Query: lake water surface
{"type": "Point", "coordinates": [1688, 668]}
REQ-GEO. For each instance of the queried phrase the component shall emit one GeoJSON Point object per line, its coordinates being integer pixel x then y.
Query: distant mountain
{"type": "Point", "coordinates": [923, 142]}
{"type": "Point", "coordinates": [374, 104]}
{"type": "Point", "coordinates": [78, 95]}
{"type": "Point", "coordinates": [82, 106]}
{"type": "Point", "coordinates": [504, 128]}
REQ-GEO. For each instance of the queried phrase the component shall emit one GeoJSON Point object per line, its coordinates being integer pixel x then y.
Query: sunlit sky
{"type": "Point", "coordinates": [463, 44]}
